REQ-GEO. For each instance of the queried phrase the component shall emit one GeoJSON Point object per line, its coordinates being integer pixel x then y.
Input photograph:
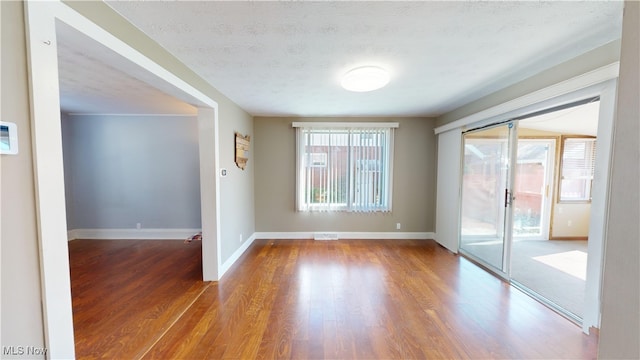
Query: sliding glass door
{"type": "Point", "coordinates": [512, 222]}
{"type": "Point", "coordinates": [486, 195]}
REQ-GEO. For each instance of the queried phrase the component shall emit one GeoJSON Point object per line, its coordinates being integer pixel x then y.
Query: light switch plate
{"type": "Point", "coordinates": [8, 138]}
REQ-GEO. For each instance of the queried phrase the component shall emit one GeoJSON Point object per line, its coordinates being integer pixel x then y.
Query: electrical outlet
{"type": "Point", "coordinates": [240, 237]}
{"type": "Point", "coordinates": [569, 223]}
{"type": "Point", "coordinates": [138, 226]}
{"type": "Point", "coordinates": [398, 226]}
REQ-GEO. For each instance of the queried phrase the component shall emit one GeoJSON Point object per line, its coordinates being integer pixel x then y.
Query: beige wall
{"type": "Point", "coordinates": [21, 309]}
{"type": "Point", "coordinates": [413, 183]}
{"type": "Point", "coordinates": [237, 214]}
{"type": "Point", "coordinates": [570, 220]}
{"type": "Point", "coordinates": [620, 329]}
{"type": "Point", "coordinates": [236, 200]}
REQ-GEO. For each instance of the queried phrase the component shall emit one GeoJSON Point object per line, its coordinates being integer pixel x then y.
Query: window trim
{"type": "Point", "coordinates": [345, 125]}
{"type": "Point", "coordinates": [559, 199]}
{"type": "Point", "coordinates": [300, 205]}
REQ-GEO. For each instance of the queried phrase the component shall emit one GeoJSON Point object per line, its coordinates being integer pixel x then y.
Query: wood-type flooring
{"type": "Point", "coordinates": [305, 299]}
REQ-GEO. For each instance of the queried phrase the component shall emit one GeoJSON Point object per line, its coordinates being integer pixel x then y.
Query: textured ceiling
{"type": "Point", "coordinates": [95, 80]}
{"type": "Point", "coordinates": [286, 58]}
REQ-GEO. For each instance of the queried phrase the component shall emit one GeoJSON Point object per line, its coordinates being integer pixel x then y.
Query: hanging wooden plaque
{"type": "Point", "coordinates": [242, 150]}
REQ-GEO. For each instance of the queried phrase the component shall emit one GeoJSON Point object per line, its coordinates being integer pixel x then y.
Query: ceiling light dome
{"type": "Point", "coordinates": [365, 78]}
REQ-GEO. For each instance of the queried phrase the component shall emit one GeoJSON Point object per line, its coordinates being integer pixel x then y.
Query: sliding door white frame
{"type": "Point", "coordinates": [600, 82]}
{"type": "Point", "coordinates": [599, 206]}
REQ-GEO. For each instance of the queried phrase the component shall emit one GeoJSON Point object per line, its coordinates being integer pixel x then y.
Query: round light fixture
{"type": "Point", "coordinates": [366, 78]}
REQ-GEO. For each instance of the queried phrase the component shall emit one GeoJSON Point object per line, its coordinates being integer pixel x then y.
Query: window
{"type": "Point", "coordinates": [578, 165]}
{"type": "Point", "coordinates": [344, 166]}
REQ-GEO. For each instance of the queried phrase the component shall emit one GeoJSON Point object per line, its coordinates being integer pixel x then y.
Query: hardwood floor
{"type": "Point", "coordinates": [306, 299]}
{"type": "Point", "coordinates": [126, 293]}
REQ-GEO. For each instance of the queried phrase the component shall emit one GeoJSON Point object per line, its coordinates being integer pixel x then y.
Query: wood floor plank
{"type": "Point", "coordinates": [305, 299]}
{"type": "Point", "coordinates": [125, 293]}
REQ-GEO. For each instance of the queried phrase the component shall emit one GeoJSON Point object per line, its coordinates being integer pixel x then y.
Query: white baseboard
{"type": "Point", "coordinates": [131, 234]}
{"type": "Point", "coordinates": [349, 235]}
{"type": "Point", "coordinates": [284, 235]}
{"type": "Point", "coordinates": [236, 255]}
{"type": "Point", "coordinates": [72, 235]}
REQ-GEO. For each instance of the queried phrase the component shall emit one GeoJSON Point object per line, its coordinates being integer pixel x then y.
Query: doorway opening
{"type": "Point", "coordinates": [41, 18]}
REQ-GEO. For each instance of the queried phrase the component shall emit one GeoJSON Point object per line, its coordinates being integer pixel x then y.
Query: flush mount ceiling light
{"type": "Point", "coordinates": [366, 78]}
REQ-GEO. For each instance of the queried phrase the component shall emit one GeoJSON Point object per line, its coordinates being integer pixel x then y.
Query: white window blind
{"type": "Point", "coordinates": [344, 167]}
{"type": "Point", "coordinates": [578, 167]}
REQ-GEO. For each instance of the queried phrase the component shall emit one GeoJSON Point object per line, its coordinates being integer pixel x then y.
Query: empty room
{"type": "Point", "coordinates": [337, 180]}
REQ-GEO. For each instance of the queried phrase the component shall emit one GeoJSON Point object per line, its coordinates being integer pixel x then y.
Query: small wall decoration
{"type": "Point", "coordinates": [242, 150]}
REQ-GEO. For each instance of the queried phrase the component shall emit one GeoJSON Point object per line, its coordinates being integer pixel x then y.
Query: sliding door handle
{"type": "Point", "coordinates": [508, 198]}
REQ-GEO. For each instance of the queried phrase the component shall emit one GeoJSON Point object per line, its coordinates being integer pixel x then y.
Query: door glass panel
{"type": "Point", "coordinates": [484, 182]}
{"type": "Point", "coordinates": [553, 265]}
{"type": "Point", "coordinates": [531, 188]}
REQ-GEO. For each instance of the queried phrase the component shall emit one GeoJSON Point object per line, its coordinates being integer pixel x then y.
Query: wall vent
{"type": "Point", "coordinates": [325, 236]}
